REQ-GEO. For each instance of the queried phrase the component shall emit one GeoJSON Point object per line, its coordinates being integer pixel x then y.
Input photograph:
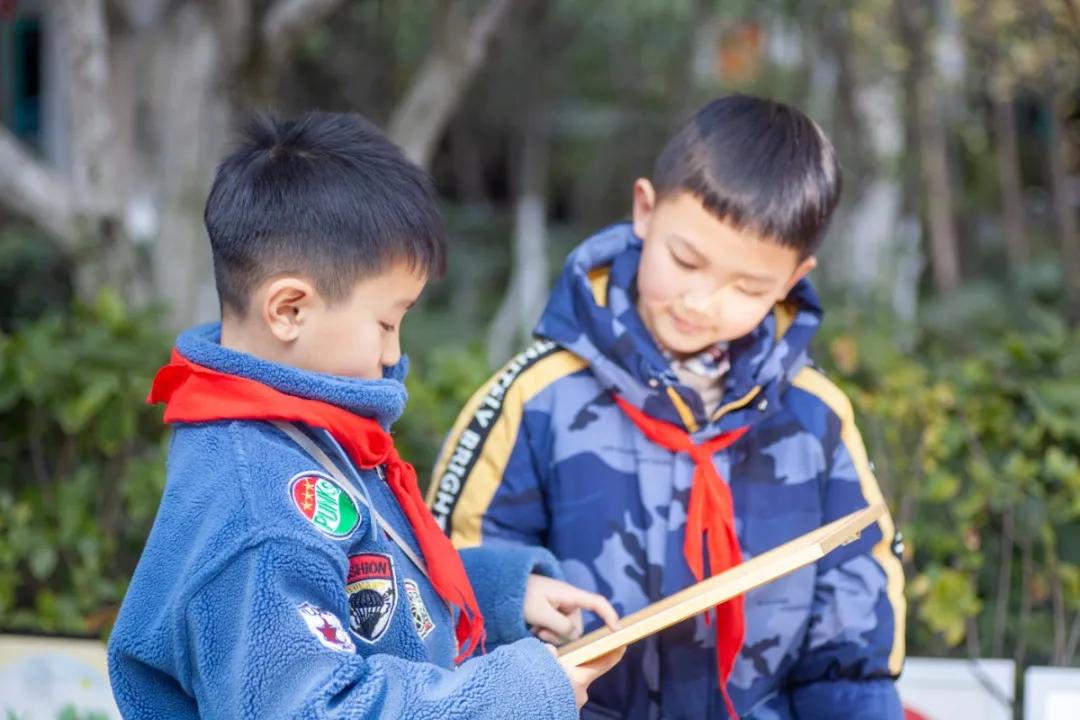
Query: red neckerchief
{"type": "Point", "coordinates": [710, 517]}
{"type": "Point", "coordinates": [193, 393]}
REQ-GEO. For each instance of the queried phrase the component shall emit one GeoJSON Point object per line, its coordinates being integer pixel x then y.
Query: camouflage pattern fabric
{"type": "Point", "coordinates": [542, 456]}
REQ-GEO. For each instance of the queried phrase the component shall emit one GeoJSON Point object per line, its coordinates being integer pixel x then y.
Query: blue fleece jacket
{"type": "Point", "coordinates": [266, 589]}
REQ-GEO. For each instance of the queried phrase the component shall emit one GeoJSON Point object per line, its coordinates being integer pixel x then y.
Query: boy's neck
{"type": "Point", "coordinates": [240, 336]}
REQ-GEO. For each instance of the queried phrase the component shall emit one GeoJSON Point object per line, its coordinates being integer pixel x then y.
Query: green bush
{"type": "Point", "coordinates": [82, 462]}
{"type": "Point", "coordinates": [439, 384]}
{"type": "Point", "coordinates": [35, 275]}
{"type": "Point", "coordinates": [976, 441]}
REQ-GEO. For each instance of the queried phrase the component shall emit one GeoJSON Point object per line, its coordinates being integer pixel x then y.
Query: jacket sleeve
{"type": "Point", "coordinates": [266, 637]}
{"type": "Point", "coordinates": [854, 647]}
{"type": "Point", "coordinates": [498, 576]}
{"type": "Point", "coordinates": [489, 481]}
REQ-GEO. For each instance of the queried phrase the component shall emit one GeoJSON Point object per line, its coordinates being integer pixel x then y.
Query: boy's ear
{"type": "Point", "coordinates": [287, 303]}
{"type": "Point", "coordinates": [801, 270]}
{"type": "Point", "coordinates": [644, 204]}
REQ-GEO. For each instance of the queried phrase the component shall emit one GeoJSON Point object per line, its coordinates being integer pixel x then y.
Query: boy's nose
{"type": "Point", "coordinates": [699, 302]}
{"type": "Point", "coordinates": [391, 352]}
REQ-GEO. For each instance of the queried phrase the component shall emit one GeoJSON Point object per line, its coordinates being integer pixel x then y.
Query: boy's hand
{"type": "Point", "coordinates": [553, 608]}
{"type": "Point", "coordinates": [582, 676]}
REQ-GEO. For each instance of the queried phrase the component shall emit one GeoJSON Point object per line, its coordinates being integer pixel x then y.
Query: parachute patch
{"type": "Point", "coordinates": [372, 593]}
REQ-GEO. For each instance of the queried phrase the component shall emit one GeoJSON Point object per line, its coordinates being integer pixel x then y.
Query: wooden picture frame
{"type": "Point", "coordinates": [708, 593]}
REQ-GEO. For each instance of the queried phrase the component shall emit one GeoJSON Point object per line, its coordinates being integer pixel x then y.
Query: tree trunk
{"type": "Point", "coordinates": [525, 294]}
{"type": "Point", "coordinates": [683, 70]}
{"type": "Point", "coordinates": [439, 85]}
{"type": "Point", "coordinates": [93, 171]}
{"type": "Point", "coordinates": [982, 33]}
{"type": "Point", "coordinates": [468, 163]}
{"type": "Point", "coordinates": [1026, 574]}
{"type": "Point", "coordinates": [913, 20]}
{"type": "Point", "coordinates": [865, 253]}
{"type": "Point", "coordinates": [911, 258]}
{"type": "Point", "coordinates": [1012, 199]}
{"type": "Point", "coordinates": [855, 149]}
{"type": "Point", "coordinates": [1004, 582]}
{"type": "Point", "coordinates": [933, 153]}
{"type": "Point", "coordinates": [1064, 212]}
{"type": "Point", "coordinates": [185, 125]}
{"type": "Point", "coordinates": [103, 254]}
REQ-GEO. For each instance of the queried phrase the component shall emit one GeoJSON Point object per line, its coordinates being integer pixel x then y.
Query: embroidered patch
{"type": "Point", "coordinates": [420, 616]}
{"type": "Point", "coordinates": [372, 594]}
{"type": "Point", "coordinates": [324, 504]}
{"type": "Point", "coordinates": [326, 627]}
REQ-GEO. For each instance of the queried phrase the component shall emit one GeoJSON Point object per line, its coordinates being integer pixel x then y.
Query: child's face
{"type": "Point", "coordinates": [355, 337]}
{"type": "Point", "coordinates": [700, 280]}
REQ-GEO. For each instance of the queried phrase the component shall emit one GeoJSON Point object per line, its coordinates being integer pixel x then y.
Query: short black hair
{"type": "Point", "coordinates": [326, 195]}
{"type": "Point", "coordinates": [758, 165]}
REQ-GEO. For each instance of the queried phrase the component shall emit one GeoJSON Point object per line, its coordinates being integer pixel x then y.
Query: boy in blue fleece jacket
{"type": "Point", "coordinates": [669, 422]}
{"type": "Point", "coordinates": [293, 569]}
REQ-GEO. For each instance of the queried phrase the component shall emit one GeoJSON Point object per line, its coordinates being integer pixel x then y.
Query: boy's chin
{"type": "Point", "coordinates": [682, 345]}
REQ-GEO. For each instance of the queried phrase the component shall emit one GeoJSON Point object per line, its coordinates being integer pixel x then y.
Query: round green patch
{"type": "Point", "coordinates": [324, 504]}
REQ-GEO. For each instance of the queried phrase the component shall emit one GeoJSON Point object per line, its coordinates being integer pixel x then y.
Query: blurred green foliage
{"type": "Point", "coordinates": [82, 462]}
{"type": "Point", "coordinates": [974, 432]}
{"type": "Point", "coordinates": [439, 386]}
{"type": "Point", "coordinates": [34, 273]}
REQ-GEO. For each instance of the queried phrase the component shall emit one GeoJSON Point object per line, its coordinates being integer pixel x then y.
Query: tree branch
{"type": "Point", "coordinates": [34, 192]}
{"type": "Point", "coordinates": [236, 24]}
{"type": "Point", "coordinates": [440, 82]}
{"type": "Point", "coordinates": [1073, 12]}
{"type": "Point", "coordinates": [285, 22]}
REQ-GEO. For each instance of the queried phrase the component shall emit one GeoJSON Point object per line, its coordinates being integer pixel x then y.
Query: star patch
{"type": "Point", "coordinates": [326, 628]}
{"type": "Point", "coordinates": [324, 504]}
{"type": "Point", "coordinates": [420, 616]}
{"type": "Point", "coordinates": [372, 594]}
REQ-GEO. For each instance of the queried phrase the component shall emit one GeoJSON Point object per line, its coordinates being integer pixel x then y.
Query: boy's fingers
{"type": "Point", "coordinates": [605, 662]}
{"type": "Point", "coordinates": [554, 621]}
{"type": "Point", "coordinates": [579, 624]}
{"type": "Point", "coordinates": [549, 637]}
{"type": "Point", "coordinates": [595, 668]}
{"type": "Point", "coordinates": [599, 605]}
